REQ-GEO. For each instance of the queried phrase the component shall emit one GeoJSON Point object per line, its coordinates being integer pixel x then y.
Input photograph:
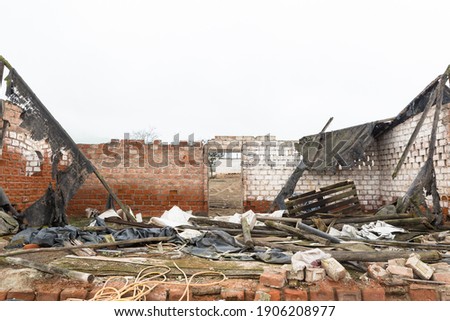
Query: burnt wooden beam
{"type": "Point", "coordinates": [415, 132]}
{"type": "Point", "coordinates": [289, 187]}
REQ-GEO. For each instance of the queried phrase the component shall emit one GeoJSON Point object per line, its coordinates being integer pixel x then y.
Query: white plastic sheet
{"type": "Point", "coordinates": [302, 260]}
{"type": "Point", "coordinates": [372, 231]}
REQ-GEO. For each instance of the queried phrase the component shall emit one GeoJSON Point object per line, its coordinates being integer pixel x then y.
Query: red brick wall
{"type": "Point", "coordinates": [150, 178]}
{"type": "Point", "coordinates": [23, 176]}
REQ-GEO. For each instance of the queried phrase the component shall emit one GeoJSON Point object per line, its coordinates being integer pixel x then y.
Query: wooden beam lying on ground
{"type": "Point", "coordinates": [300, 231]}
{"type": "Point", "coordinates": [75, 275]}
{"type": "Point", "coordinates": [88, 246]}
{"type": "Point", "coordinates": [363, 256]}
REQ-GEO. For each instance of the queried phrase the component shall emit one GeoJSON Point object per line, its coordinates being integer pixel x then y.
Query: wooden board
{"type": "Point", "coordinates": [337, 198]}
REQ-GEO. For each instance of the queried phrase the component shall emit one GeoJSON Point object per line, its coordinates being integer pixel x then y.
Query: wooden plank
{"type": "Point", "coordinates": [328, 200]}
{"type": "Point", "coordinates": [315, 195]}
{"type": "Point", "coordinates": [343, 183]}
{"type": "Point", "coordinates": [351, 209]}
{"type": "Point", "coordinates": [339, 207]}
{"type": "Point", "coordinates": [294, 197]}
{"type": "Point", "coordinates": [329, 207]}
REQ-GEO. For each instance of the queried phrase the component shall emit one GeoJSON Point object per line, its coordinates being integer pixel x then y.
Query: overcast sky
{"type": "Point", "coordinates": [208, 67]}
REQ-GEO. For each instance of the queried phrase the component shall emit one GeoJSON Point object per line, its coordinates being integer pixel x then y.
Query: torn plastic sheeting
{"type": "Point", "coordinates": [304, 259]}
{"type": "Point", "coordinates": [250, 216]}
{"type": "Point", "coordinates": [274, 256]}
{"type": "Point", "coordinates": [52, 236]}
{"type": "Point", "coordinates": [352, 143]}
{"type": "Point", "coordinates": [382, 229]}
{"type": "Point", "coordinates": [217, 244]}
{"type": "Point", "coordinates": [188, 234]}
{"type": "Point", "coordinates": [55, 236]}
{"type": "Point", "coordinates": [140, 233]}
{"type": "Point", "coordinates": [372, 231]}
{"type": "Point", "coordinates": [173, 217]}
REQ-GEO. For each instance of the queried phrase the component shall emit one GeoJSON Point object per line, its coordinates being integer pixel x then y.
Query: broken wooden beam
{"type": "Point", "coordinates": [236, 231]}
{"type": "Point", "coordinates": [415, 132]}
{"type": "Point", "coordinates": [288, 189]}
{"type": "Point", "coordinates": [426, 246]}
{"type": "Point", "coordinates": [363, 256]}
{"type": "Point", "coordinates": [75, 275]}
{"type": "Point", "coordinates": [319, 236]}
{"type": "Point", "coordinates": [90, 246]}
{"type": "Point", "coordinates": [343, 220]}
{"type": "Point", "coordinates": [382, 256]}
{"type": "Point", "coordinates": [246, 233]}
{"type": "Point", "coordinates": [210, 222]}
{"type": "Point", "coordinates": [411, 221]}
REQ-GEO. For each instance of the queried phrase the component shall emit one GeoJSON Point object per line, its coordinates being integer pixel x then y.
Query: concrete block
{"type": "Point", "coordinates": [334, 269]}
{"type": "Point", "coordinates": [441, 277]}
{"type": "Point", "coordinates": [377, 272]}
{"type": "Point", "coordinates": [299, 275]}
{"type": "Point", "coordinates": [421, 269]}
{"type": "Point", "coordinates": [402, 271]}
{"type": "Point", "coordinates": [398, 262]}
{"type": "Point", "coordinates": [314, 274]}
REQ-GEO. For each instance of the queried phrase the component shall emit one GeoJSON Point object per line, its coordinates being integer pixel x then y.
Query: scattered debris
{"type": "Point", "coordinates": [314, 236]}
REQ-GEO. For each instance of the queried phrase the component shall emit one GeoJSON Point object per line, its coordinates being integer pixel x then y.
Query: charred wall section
{"type": "Point", "coordinates": [25, 163]}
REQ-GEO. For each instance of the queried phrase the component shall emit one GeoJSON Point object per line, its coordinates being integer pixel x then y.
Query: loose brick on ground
{"type": "Point", "coordinates": [23, 295]}
{"type": "Point", "coordinates": [295, 294]}
{"type": "Point", "coordinates": [3, 294]}
{"type": "Point", "coordinates": [420, 292]}
{"type": "Point", "coordinates": [48, 295]}
{"type": "Point", "coordinates": [321, 292]}
{"type": "Point", "coordinates": [275, 294]}
{"type": "Point", "coordinates": [274, 279]}
{"type": "Point", "coordinates": [73, 293]}
{"type": "Point", "coordinates": [373, 293]}
{"type": "Point", "coordinates": [233, 294]}
{"type": "Point", "coordinates": [348, 294]}
{"type": "Point", "coordinates": [159, 293]}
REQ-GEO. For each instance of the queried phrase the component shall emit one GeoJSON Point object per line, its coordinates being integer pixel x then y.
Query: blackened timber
{"type": "Point", "coordinates": [335, 208]}
{"type": "Point", "coordinates": [415, 132]}
{"type": "Point", "coordinates": [325, 201]}
{"type": "Point", "coordinates": [306, 197]}
{"type": "Point", "coordinates": [288, 189]}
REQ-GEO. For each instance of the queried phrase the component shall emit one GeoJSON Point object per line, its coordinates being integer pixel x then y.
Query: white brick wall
{"type": "Point", "coordinates": [268, 163]}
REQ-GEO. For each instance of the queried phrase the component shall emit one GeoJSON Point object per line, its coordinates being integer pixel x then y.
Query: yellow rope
{"type": "Point", "coordinates": [145, 282]}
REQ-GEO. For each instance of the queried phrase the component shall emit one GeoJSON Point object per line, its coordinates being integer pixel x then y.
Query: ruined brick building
{"type": "Point", "coordinates": [151, 178]}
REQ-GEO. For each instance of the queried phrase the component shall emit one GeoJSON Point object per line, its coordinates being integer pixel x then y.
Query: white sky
{"type": "Point", "coordinates": [223, 67]}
